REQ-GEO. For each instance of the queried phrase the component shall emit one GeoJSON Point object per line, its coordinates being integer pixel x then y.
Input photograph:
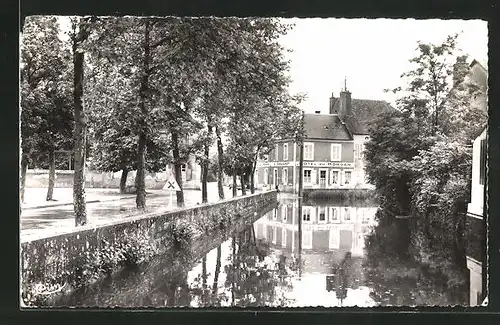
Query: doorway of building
{"type": "Point", "coordinates": [322, 178]}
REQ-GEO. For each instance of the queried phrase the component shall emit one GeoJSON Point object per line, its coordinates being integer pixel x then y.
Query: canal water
{"type": "Point", "coordinates": [296, 255]}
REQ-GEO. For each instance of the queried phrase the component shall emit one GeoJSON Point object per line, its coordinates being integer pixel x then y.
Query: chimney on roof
{"type": "Point", "coordinates": [345, 108]}
{"type": "Point", "coordinates": [332, 108]}
{"type": "Point", "coordinates": [317, 112]}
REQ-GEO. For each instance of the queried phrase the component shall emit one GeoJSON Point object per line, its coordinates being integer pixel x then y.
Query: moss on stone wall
{"type": "Point", "coordinates": [59, 264]}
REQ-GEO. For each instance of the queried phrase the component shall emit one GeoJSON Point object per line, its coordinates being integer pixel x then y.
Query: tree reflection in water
{"type": "Point", "coordinates": [401, 270]}
{"type": "Point", "coordinates": [253, 278]}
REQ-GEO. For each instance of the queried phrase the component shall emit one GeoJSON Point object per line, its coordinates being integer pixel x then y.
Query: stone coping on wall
{"type": "Point", "coordinates": [133, 218]}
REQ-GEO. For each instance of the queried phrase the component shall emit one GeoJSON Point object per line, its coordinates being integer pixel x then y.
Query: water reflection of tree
{"type": "Point", "coordinates": [399, 275]}
{"type": "Point", "coordinates": [252, 279]}
{"type": "Point", "coordinates": [207, 294]}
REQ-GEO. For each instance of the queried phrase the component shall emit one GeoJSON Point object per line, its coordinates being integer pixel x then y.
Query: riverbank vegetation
{"type": "Point", "coordinates": [420, 158]}
{"type": "Point", "coordinates": [136, 94]}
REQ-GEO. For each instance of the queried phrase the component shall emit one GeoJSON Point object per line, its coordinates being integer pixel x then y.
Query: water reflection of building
{"type": "Point", "coordinates": [476, 214]}
{"type": "Point", "coordinates": [327, 234]}
{"type": "Point", "coordinates": [324, 228]}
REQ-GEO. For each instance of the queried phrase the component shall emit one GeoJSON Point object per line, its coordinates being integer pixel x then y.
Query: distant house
{"type": "Point", "coordinates": [333, 148]}
{"type": "Point", "coordinates": [476, 210]}
{"type": "Point", "coordinates": [190, 173]}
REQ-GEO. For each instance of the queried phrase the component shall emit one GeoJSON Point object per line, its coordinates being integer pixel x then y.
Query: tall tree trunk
{"type": "Point", "coordinates": [140, 184]}
{"type": "Point", "coordinates": [204, 280]}
{"type": "Point", "coordinates": [123, 180]}
{"type": "Point", "coordinates": [177, 168]}
{"type": "Point", "coordinates": [217, 271]}
{"type": "Point", "coordinates": [235, 184]}
{"type": "Point", "coordinates": [80, 135]}
{"type": "Point", "coordinates": [235, 268]}
{"type": "Point", "coordinates": [243, 183]}
{"type": "Point", "coordinates": [252, 177]}
{"type": "Point", "coordinates": [140, 177]}
{"type": "Point", "coordinates": [220, 171]}
{"type": "Point", "coordinates": [52, 174]}
{"type": "Point", "coordinates": [205, 165]}
{"type": "Point", "coordinates": [24, 168]}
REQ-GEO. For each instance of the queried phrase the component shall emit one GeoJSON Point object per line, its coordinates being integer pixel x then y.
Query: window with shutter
{"type": "Point", "coordinates": [348, 176]}
{"type": "Point", "coordinates": [335, 152]}
{"type": "Point", "coordinates": [322, 214]}
{"type": "Point", "coordinates": [284, 212]}
{"type": "Point", "coordinates": [307, 176]}
{"type": "Point", "coordinates": [334, 214]}
{"type": "Point", "coordinates": [334, 177]}
{"type": "Point", "coordinates": [306, 214]}
{"type": "Point", "coordinates": [309, 151]}
{"type": "Point", "coordinates": [347, 214]}
{"type": "Point", "coordinates": [283, 237]}
{"type": "Point", "coordinates": [313, 176]}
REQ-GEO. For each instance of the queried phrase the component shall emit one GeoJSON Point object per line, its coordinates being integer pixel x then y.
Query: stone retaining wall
{"type": "Point", "coordinates": [78, 258]}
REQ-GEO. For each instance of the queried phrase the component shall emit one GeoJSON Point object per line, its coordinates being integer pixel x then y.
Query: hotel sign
{"type": "Point", "coordinates": [328, 164]}
{"type": "Point", "coordinates": [276, 164]}
{"type": "Point", "coordinates": [337, 164]}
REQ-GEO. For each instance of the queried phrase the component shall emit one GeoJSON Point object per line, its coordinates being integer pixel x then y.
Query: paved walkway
{"type": "Point", "coordinates": [104, 205]}
{"type": "Point", "coordinates": [35, 197]}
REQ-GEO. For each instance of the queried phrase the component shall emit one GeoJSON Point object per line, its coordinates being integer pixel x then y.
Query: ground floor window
{"type": "Point", "coordinates": [348, 176]}
{"type": "Point", "coordinates": [322, 214]}
{"type": "Point", "coordinates": [284, 212]}
{"type": "Point", "coordinates": [266, 175]}
{"type": "Point", "coordinates": [334, 177]}
{"type": "Point", "coordinates": [283, 237]}
{"type": "Point", "coordinates": [347, 214]}
{"type": "Point", "coordinates": [307, 176]}
{"type": "Point", "coordinates": [334, 214]}
{"type": "Point", "coordinates": [322, 177]}
{"type": "Point", "coordinates": [285, 176]}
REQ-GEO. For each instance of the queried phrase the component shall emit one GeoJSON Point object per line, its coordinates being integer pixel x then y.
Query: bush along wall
{"type": "Point", "coordinates": [162, 281]}
{"type": "Point", "coordinates": [55, 266]}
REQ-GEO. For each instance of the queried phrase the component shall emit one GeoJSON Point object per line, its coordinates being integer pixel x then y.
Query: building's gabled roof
{"type": "Point", "coordinates": [363, 111]}
{"type": "Point", "coordinates": [481, 63]}
{"type": "Point", "coordinates": [321, 126]}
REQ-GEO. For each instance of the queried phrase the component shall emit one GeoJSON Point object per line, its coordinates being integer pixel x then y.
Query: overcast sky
{"type": "Point", "coordinates": [371, 53]}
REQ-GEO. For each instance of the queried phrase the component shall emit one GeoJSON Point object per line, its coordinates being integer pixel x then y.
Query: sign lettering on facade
{"type": "Point", "coordinates": [307, 164]}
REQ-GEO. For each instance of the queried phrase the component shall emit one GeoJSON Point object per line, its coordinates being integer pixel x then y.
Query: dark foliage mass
{"type": "Point", "coordinates": [130, 93]}
{"type": "Point", "coordinates": [419, 159]}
